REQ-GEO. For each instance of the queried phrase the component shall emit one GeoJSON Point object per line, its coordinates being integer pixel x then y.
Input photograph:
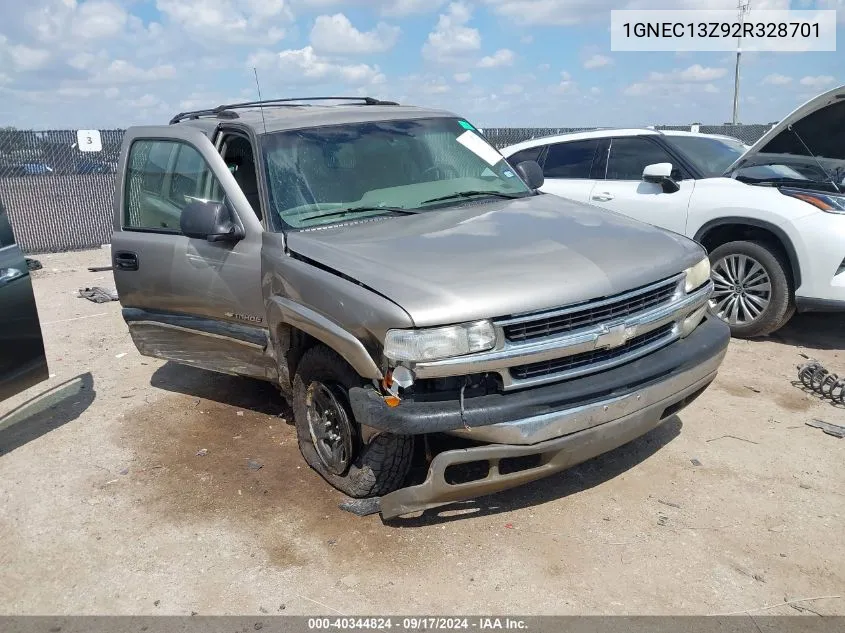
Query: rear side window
{"type": "Point", "coordinates": [532, 153]}
{"type": "Point", "coordinates": [629, 156]}
{"type": "Point", "coordinates": [162, 177]}
{"type": "Point", "coordinates": [570, 160]}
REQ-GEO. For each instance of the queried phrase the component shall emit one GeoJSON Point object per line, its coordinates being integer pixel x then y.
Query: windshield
{"type": "Point", "coordinates": [329, 174]}
{"type": "Point", "coordinates": [712, 156]}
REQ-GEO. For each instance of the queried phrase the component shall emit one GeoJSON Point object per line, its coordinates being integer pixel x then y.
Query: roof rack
{"type": "Point", "coordinates": [226, 111]}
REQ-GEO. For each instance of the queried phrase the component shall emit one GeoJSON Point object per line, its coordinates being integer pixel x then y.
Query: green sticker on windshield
{"type": "Point", "coordinates": [466, 125]}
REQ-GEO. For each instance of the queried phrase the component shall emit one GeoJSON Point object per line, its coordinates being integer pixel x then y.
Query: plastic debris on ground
{"type": "Point", "coordinates": [98, 294]}
{"type": "Point", "coordinates": [835, 430]}
{"type": "Point", "coordinates": [362, 507]}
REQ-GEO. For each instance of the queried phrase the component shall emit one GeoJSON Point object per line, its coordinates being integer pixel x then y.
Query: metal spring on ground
{"type": "Point", "coordinates": [816, 378]}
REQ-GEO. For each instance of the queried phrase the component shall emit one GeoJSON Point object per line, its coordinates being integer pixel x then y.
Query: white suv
{"type": "Point", "coordinates": [772, 216]}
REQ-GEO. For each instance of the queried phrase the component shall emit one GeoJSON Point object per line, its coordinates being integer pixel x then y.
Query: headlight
{"type": "Point", "coordinates": [438, 343]}
{"type": "Point", "coordinates": [698, 275]}
{"type": "Point", "coordinates": [828, 202]}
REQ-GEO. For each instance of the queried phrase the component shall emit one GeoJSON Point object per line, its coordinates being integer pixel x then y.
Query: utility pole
{"type": "Point", "coordinates": [743, 8]}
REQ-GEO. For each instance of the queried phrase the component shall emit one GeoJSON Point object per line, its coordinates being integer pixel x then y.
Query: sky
{"type": "Point", "coordinates": [524, 63]}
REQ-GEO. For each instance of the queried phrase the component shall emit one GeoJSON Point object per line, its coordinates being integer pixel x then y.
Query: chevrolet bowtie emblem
{"type": "Point", "coordinates": [615, 336]}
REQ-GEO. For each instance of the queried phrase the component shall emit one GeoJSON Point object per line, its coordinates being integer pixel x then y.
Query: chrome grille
{"type": "Point", "coordinates": [590, 314]}
{"type": "Point", "coordinates": [592, 358]}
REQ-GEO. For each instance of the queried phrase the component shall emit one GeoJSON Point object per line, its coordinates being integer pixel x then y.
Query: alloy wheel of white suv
{"type": "Point", "coordinates": [752, 289]}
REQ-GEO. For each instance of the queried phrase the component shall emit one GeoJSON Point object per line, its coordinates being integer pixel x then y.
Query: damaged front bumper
{"type": "Point", "coordinates": [556, 426]}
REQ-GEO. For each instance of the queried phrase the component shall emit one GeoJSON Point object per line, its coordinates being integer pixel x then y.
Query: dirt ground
{"type": "Point", "coordinates": [107, 508]}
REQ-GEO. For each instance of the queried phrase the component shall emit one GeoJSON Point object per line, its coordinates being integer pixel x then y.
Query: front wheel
{"type": "Point", "coordinates": [752, 289]}
{"type": "Point", "coordinates": [330, 438]}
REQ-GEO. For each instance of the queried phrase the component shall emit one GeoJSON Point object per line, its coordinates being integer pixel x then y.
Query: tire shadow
{"type": "Point", "coordinates": [813, 330]}
{"type": "Point", "coordinates": [46, 412]}
{"type": "Point", "coordinates": [573, 480]}
{"type": "Point", "coordinates": [237, 391]}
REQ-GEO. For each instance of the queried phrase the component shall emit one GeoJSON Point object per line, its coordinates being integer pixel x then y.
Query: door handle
{"type": "Point", "coordinates": [124, 260]}
{"type": "Point", "coordinates": [602, 197]}
{"type": "Point", "coordinates": [8, 275]}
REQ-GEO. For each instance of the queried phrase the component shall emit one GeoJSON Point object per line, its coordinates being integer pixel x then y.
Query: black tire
{"type": "Point", "coordinates": [377, 468]}
{"type": "Point", "coordinates": [781, 304]}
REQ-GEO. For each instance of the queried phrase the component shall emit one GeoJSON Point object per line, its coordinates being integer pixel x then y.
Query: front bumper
{"type": "Point", "coordinates": [819, 239]}
{"type": "Point", "coordinates": [558, 436]}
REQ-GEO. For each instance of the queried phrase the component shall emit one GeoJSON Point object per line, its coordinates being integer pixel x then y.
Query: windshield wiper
{"type": "Point", "coordinates": [471, 194]}
{"type": "Point", "coordinates": [818, 162]}
{"type": "Point", "coordinates": [778, 181]}
{"type": "Point", "coordinates": [361, 209]}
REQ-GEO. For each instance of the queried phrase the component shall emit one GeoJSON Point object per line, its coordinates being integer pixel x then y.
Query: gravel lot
{"type": "Point", "coordinates": [108, 509]}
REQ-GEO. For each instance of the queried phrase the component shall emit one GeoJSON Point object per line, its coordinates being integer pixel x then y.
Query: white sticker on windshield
{"type": "Point", "coordinates": [479, 147]}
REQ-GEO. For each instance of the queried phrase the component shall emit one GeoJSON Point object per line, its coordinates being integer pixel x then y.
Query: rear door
{"type": "Point", "coordinates": [22, 359]}
{"type": "Point", "coordinates": [568, 168]}
{"type": "Point", "coordinates": [624, 191]}
{"type": "Point", "coordinates": [184, 299]}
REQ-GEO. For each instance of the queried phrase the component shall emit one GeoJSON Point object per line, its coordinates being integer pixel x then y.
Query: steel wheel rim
{"type": "Point", "coordinates": [330, 428]}
{"type": "Point", "coordinates": [742, 289]}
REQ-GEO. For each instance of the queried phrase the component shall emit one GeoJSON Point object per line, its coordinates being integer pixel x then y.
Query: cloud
{"type": "Point", "coordinates": [229, 21]}
{"type": "Point", "coordinates": [658, 89]}
{"type": "Point", "coordinates": [598, 61]}
{"type": "Point", "coordinates": [502, 57]}
{"type": "Point", "coordinates": [121, 71]}
{"type": "Point", "coordinates": [98, 20]}
{"type": "Point", "coordinates": [146, 100]}
{"type": "Point", "coordinates": [397, 8]}
{"type": "Point", "coordinates": [696, 79]}
{"type": "Point", "coordinates": [451, 39]}
{"type": "Point", "coordinates": [694, 73]}
{"type": "Point", "coordinates": [25, 58]}
{"type": "Point", "coordinates": [818, 82]}
{"type": "Point", "coordinates": [570, 12]}
{"type": "Point", "coordinates": [335, 34]}
{"type": "Point", "coordinates": [408, 7]}
{"type": "Point", "coordinates": [512, 89]}
{"type": "Point", "coordinates": [544, 66]}
{"type": "Point", "coordinates": [566, 85]}
{"type": "Point", "coordinates": [776, 80]}
{"type": "Point", "coordinates": [434, 87]}
{"type": "Point", "coordinates": [639, 89]}
{"type": "Point", "coordinates": [462, 78]}
{"type": "Point", "coordinates": [838, 5]}
{"type": "Point", "coordinates": [305, 66]}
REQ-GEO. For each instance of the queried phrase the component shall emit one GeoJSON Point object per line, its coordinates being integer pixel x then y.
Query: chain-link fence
{"type": "Point", "coordinates": [59, 198]}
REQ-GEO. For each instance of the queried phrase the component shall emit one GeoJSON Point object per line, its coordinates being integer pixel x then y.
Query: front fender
{"type": "Point", "coordinates": [281, 311]}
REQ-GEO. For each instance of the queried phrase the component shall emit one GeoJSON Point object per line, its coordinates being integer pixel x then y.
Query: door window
{"type": "Point", "coordinates": [162, 177]}
{"type": "Point", "coordinates": [629, 156]}
{"type": "Point", "coordinates": [7, 238]}
{"type": "Point", "coordinates": [570, 160]}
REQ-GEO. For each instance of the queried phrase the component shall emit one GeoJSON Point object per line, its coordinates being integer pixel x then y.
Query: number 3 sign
{"type": "Point", "coordinates": [89, 141]}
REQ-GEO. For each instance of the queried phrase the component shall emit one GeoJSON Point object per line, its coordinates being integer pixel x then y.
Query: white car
{"type": "Point", "coordinates": [772, 216]}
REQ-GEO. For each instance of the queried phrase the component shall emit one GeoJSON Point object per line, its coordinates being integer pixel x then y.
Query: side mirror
{"type": "Point", "coordinates": [531, 172]}
{"type": "Point", "coordinates": [210, 221]}
{"type": "Point", "coordinates": [661, 174]}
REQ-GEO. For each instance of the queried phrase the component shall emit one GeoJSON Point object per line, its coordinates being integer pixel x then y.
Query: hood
{"type": "Point", "coordinates": [820, 123]}
{"type": "Point", "coordinates": [498, 258]}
